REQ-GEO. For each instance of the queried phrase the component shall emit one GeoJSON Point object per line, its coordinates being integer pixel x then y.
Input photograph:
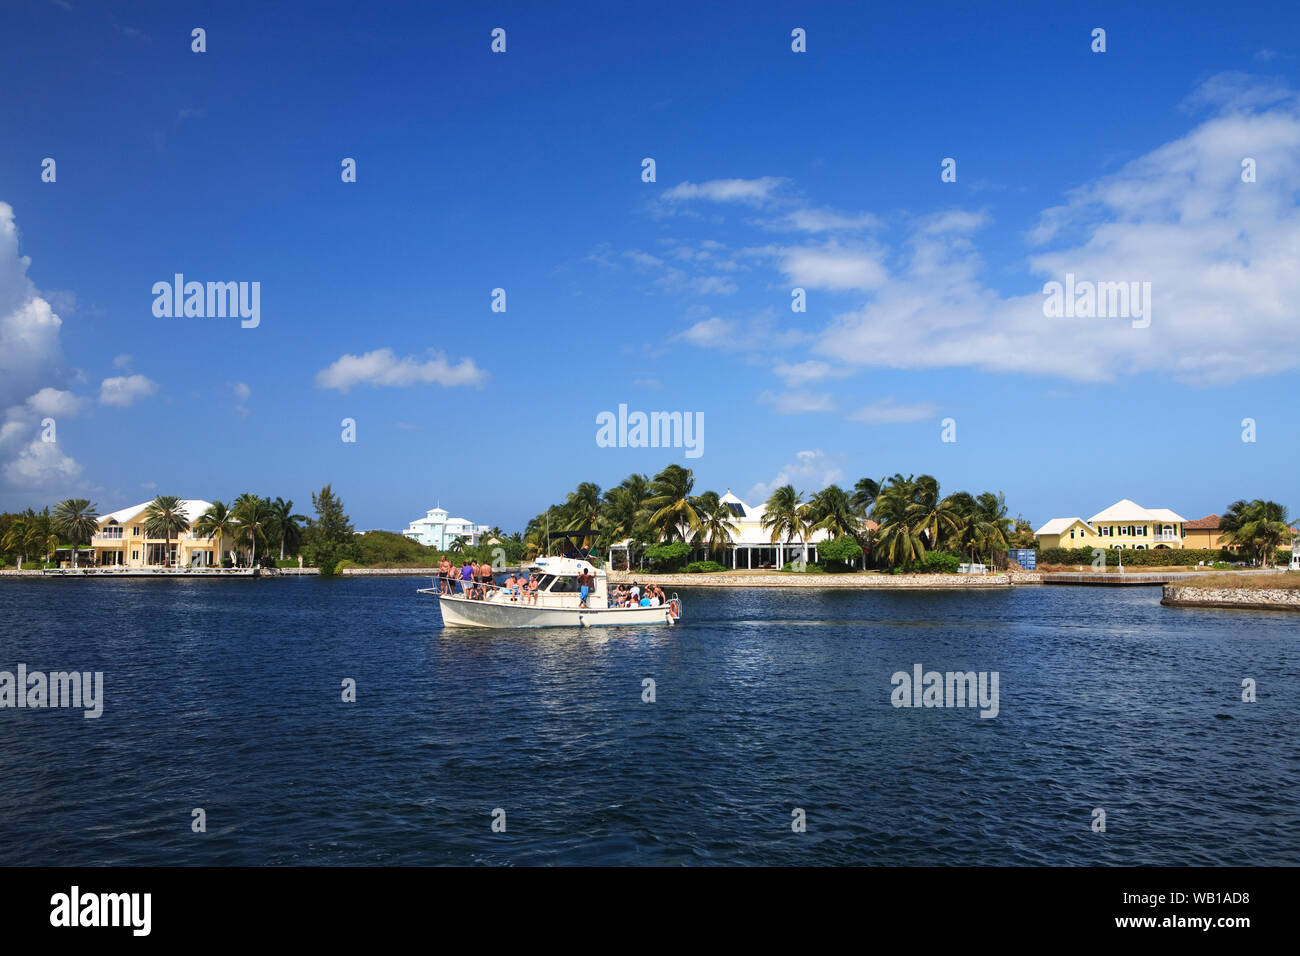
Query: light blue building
{"type": "Point", "coordinates": [436, 530]}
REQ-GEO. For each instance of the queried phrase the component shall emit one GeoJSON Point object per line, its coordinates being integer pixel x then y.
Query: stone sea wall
{"type": "Point", "coordinates": [1272, 599]}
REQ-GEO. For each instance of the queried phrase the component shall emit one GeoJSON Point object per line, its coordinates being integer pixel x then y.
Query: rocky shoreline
{"type": "Point", "coordinates": [1246, 599]}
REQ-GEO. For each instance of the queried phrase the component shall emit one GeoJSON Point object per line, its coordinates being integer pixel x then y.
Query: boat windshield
{"type": "Point", "coordinates": [562, 584]}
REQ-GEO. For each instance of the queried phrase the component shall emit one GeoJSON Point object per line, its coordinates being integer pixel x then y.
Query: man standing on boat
{"type": "Point", "coordinates": [585, 582]}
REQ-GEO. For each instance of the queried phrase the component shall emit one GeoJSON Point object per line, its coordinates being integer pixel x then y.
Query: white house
{"type": "Point", "coordinates": [751, 544]}
{"type": "Point", "coordinates": [436, 530]}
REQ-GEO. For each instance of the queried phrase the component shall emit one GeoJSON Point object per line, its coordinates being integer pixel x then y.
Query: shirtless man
{"type": "Point", "coordinates": [444, 576]}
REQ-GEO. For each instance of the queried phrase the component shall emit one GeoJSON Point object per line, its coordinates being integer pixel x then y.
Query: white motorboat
{"type": "Point", "coordinates": [557, 602]}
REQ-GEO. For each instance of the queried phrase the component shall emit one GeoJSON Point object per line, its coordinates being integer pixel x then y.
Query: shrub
{"type": "Point", "coordinates": [703, 567]}
{"type": "Point", "coordinates": [806, 569]}
{"type": "Point", "coordinates": [938, 562]}
{"type": "Point", "coordinates": [667, 557]}
{"type": "Point", "coordinates": [227, 563]}
{"type": "Point", "coordinates": [838, 553]}
{"type": "Point", "coordinates": [1153, 557]}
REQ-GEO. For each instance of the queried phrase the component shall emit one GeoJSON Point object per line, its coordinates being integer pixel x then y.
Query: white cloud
{"type": "Point", "coordinates": [709, 332]}
{"type": "Point", "coordinates": [802, 373]}
{"type": "Point", "coordinates": [31, 358]}
{"type": "Point", "coordinates": [1220, 255]}
{"type": "Point", "coordinates": [798, 401]}
{"type": "Point", "coordinates": [824, 220]}
{"type": "Point", "coordinates": [832, 267]}
{"type": "Point", "coordinates": [752, 191]}
{"type": "Point", "coordinates": [42, 465]}
{"type": "Point", "coordinates": [810, 471]}
{"type": "Point", "coordinates": [885, 412]}
{"type": "Point", "coordinates": [52, 401]}
{"type": "Point", "coordinates": [122, 361]}
{"type": "Point", "coordinates": [125, 390]}
{"type": "Point", "coordinates": [242, 394]}
{"type": "Point", "coordinates": [383, 367]}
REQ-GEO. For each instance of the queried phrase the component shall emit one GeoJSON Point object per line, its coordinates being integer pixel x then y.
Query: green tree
{"type": "Point", "coordinates": [784, 516]}
{"type": "Point", "coordinates": [76, 520]}
{"type": "Point", "coordinates": [218, 523]}
{"type": "Point", "coordinates": [672, 515]}
{"type": "Point", "coordinates": [329, 535]}
{"type": "Point", "coordinates": [832, 510]}
{"type": "Point", "coordinates": [255, 521]}
{"type": "Point", "coordinates": [163, 518]}
{"type": "Point", "coordinates": [285, 526]}
{"type": "Point", "coordinates": [1259, 527]}
{"type": "Point", "coordinates": [717, 525]}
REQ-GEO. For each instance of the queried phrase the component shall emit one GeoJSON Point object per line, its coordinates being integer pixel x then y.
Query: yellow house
{"type": "Point", "coordinates": [1067, 533]}
{"type": "Point", "coordinates": [1203, 533]}
{"type": "Point", "coordinates": [121, 541]}
{"type": "Point", "coordinates": [1126, 524]}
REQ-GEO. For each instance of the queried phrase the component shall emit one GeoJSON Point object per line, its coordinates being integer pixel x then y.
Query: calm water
{"type": "Point", "coordinates": [225, 695]}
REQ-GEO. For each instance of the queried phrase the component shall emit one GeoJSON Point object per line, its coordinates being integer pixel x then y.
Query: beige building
{"type": "Point", "coordinates": [1066, 533]}
{"type": "Point", "coordinates": [1125, 524]}
{"type": "Point", "coordinates": [121, 541]}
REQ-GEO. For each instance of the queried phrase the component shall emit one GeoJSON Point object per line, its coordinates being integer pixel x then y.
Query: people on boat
{"type": "Point", "coordinates": [467, 579]}
{"type": "Point", "coordinates": [444, 576]}
{"type": "Point", "coordinates": [511, 587]}
{"type": "Point", "coordinates": [585, 581]}
{"type": "Point", "coordinates": [634, 594]}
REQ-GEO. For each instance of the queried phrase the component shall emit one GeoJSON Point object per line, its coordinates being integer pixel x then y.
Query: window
{"type": "Point", "coordinates": [736, 509]}
{"type": "Point", "coordinates": [135, 555]}
{"type": "Point", "coordinates": [135, 531]}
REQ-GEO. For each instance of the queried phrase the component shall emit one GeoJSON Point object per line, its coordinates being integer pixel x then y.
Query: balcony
{"type": "Point", "coordinates": [1161, 537]}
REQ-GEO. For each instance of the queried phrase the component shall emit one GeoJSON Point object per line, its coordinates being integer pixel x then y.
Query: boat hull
{"type": "Point", "coordinates": [459, 612]}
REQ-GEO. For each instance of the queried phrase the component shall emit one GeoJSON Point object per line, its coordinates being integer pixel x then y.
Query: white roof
{"type": "Point", "coordinates": [1126, 510]}
{"type": "Point", "coordinates": [1058, 525]}
{"type": "Point", "coordinates": [192, 508]}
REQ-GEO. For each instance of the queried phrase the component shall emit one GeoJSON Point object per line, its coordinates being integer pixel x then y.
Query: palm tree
{"type": "Point", "coordinates": [671, 513]}
{"type": "Point", "coordinates": [995, 527]}
{"type": "Point", "coordinates": [254, 517]}
{"type": "Point", "coordinates": [784, 514]}
{"type": "Point", "coordinates": [716, 524]}
{"type": "Point", "coordinates": [899, 537]}
{"type": "Point", "coordinates": [23, 536]}
{"type": "Point", "coordinates": [286, 526]}
{"type": "Point", "coordinates": [1260, 527]}
{"type": "Point", "coordinates": [932, 515]}
{"type": "Point", "coordinates": [164, 517]}
{"type": "Point", "coordinates": [865, 493]}
{"type": "Point", "coordinates": [218, 523]}
{"type": "Point", "coordinates": [620, 514]}
{"type": "Point", "coordinates": [582, 510]}
{"type": "Point", "coordinates": [51, 546]}
{"type": "Point", "coordinates": [832, 510]}
{"type": "Point", "coordinates": [77, 520]}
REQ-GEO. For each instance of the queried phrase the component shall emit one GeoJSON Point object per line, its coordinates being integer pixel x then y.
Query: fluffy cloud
{"type": "Point", "coordinates": [383, 367]}
{"type": "Point", "coordinates": [41, 465]}
{"type": "Point", "coordinates": [751, 191]}
{"type": "Point", "coordinates": [125, 390]}
{"type": "Point", "coordinates": [1219, 253]}
{"type": "Point", "coordinates": [810, 471]}
{"type": "Point", "coordinates": [30, 358]}
{"type": "Point", "coordinates": [709, 332]}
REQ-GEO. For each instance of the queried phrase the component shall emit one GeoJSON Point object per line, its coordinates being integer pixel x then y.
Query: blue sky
{"type": "Point", "coordinates": [522, 171]}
